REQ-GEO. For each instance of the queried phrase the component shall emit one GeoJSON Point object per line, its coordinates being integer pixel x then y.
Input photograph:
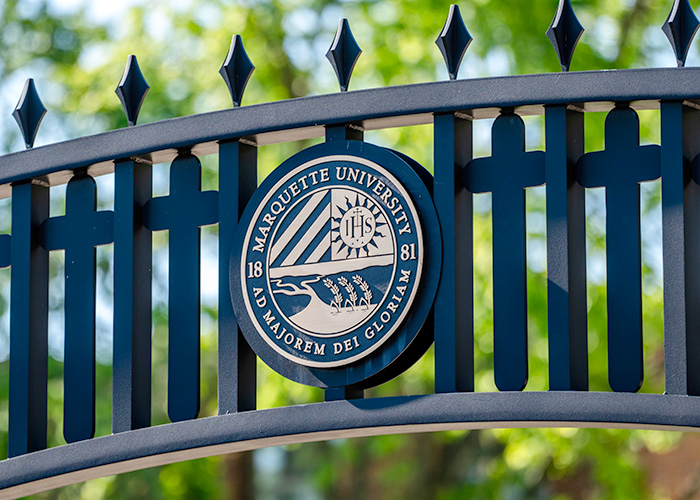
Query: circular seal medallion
{"type": "Point", "coordinates": [330, 258]}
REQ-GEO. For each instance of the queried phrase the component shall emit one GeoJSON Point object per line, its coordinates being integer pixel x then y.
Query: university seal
{"type": "Point", "coordinates": [330, 257]}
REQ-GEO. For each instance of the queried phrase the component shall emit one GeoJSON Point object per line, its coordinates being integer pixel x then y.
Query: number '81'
{"type": "Point", "coordinates": [408, 252]}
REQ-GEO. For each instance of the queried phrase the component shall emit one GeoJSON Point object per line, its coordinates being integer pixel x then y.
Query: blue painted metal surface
{"type": "Point", "coordinates": [680, 29]}
{"type": "Point", "coordinates": [29, 310]}
{"type": "Point", "coordinates": [444, 204]}
{"type": "Point", "coordinates": [236, 70]}
{"type": "Point", "coordinates": [680, 208]}
{"type": "Point", "coordinates": [29, 112]}
{"type": "Point", "coordinates": [454, 315]}
{"type": "Point", "coordinates": [633, 164]}
{"type": "Point", "coordinates": [132, 90]}
{"type": "Point", "coordinates": [343, 54]}
{"type": "Point", "coordinates": [131, 362]}
{"type": "Point", "coordinates": [306, 117]}
{"type": "Point", "coordinates": [506, 174]}
{"type": "Point", "coordinates": [564, 33]}
{"type": "Point", "coordinates": [238, 178]}
{"type": "Point", "coordinates": [340, 419]}
{"type": "Point", "coordinates": [566, 251]}
{"type": "Point", "coordinates": [79, 232]}
{"type": "Point", "coordinates": [182, 213]}
{"type": "Point", "coordinates": [452, 310]}
{"type": "Point", "coordinates": [453, 42]}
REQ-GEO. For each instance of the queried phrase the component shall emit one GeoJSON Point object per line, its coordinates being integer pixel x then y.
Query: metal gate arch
{"type": "Point", "coordinates": [450, 107]}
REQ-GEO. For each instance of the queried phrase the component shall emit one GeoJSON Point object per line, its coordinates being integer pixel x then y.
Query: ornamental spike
{"type": "Point", "coordinates": [343, 54]}
{"type": "Point", "coordinates": [132, 90]}
{"type": "Point", "coordinates": [29, 112]}
{"type": "Point", "coordinates": [236, 70]}
{"type": "Point", "coordinates": [564, 33]}
{"type": "Point", "coordinates": [680, 29]}
{"type": "Point", "coordinates": [453, 41]}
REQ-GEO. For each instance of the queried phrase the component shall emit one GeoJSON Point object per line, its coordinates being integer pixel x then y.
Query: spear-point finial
{"type": "Point", "coordinates": [453, 41]}
{"type": "Point", "coordinates": [236, 70]}
{"type": "Point", "coordinates": [564, 33]}
{"type": "Point", "coordinates": [29, 112]}
{"type": "Point", "coordinates": [680, 28]}
{"type": "Point", "coordinates": [132, 90]}
{"type": "Point", "coordinates": [343, 54]}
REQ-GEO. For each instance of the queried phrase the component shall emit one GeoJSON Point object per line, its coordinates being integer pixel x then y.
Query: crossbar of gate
{"type": "Point", "coordinates": [235, 135]}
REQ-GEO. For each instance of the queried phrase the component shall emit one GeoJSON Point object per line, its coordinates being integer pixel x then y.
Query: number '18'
{"type": "Point", "coordinates": [255, 269]}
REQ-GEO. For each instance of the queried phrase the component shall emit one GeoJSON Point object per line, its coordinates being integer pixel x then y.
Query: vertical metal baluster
{"type": "Point", "coordinates": [340, 393]}
{"type": "Point", "coordinates": [624, 293]}
{"type": "Point", "coordinates": [620, 168]}
{"type": "Point", "coordinates": [131, 391]}
{"type": "Point", "coordinates": [79, 364]}
{"type": "Point", "coordinates": [183, 296]}
{"type": "Point", "coordinates": [182, 213]}
{"type": "Point", "coordinates": [344, 133]}
{"type": "Point", "coordinates": [566, 225]}
{"type": "Point", "coordinates": [79, 232]}
{"type": "Point", "coordinates": [566, 251]}
{"type": "Point", "coordinates": [510, 342]}
{"type": "Point", "coordinates": [506, 174]}
{"type": "Point", "coordinates": [28, 321]}
{"type": "Point", "coordinates": [454, 302]}
{"type": "Point", "coordinates": [237, 182]}
{"type": "Point", "coordinates": [133, 187]}
{"type": "Point", "coordinates": [681, 247]}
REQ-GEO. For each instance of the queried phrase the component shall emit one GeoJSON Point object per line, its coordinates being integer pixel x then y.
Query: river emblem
{"type": "Point", "coordinates": [331, 257]}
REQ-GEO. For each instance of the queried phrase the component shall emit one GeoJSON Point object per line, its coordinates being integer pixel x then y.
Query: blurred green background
{"type": "Point", "coordinates": [76, 51]}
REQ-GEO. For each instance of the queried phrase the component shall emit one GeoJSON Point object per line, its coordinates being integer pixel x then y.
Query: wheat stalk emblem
{"type": "Point", "coordinates": [364, 286]}
{"type": "Point", "coordinates": [337, 296]}
{"type": "Point", "coordinates": [352, 294]}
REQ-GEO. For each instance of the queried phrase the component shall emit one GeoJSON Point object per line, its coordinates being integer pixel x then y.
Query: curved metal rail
{"type": "Point", "coordinates": [305, 118]}
{"type": "Point", "coordinates": [204, 437]}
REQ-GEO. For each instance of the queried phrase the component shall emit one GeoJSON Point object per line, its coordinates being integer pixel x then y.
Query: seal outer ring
{"type": "Point", "coordinates": [412, 336]}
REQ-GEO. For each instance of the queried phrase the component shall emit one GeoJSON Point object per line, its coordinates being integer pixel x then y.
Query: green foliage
{"type": "Point", "coordinates": [77, 62]}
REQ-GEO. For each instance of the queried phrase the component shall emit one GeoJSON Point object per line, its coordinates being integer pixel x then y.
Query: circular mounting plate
{"type": "Point", "coordinates": [335, 265]}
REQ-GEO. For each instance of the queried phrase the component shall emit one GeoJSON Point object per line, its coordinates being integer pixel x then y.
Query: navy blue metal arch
{"type": "Point", "coordinates": [192, 439]}
{"type": "Point", "coordinates": [450, 107]}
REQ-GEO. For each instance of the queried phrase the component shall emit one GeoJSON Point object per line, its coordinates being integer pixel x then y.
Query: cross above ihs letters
{"type": "Point", "coordinates": [619, 169]}
{"type": "Point", "coordinates": [506, 174]}
{"type": "Point", "coordinates": [79, 232]}
{"type": "Point", "coordinates": [182, 213]}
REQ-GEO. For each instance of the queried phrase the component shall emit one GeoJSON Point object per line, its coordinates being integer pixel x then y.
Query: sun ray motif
{"type": "Point", "coordinates": [357, 225]}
